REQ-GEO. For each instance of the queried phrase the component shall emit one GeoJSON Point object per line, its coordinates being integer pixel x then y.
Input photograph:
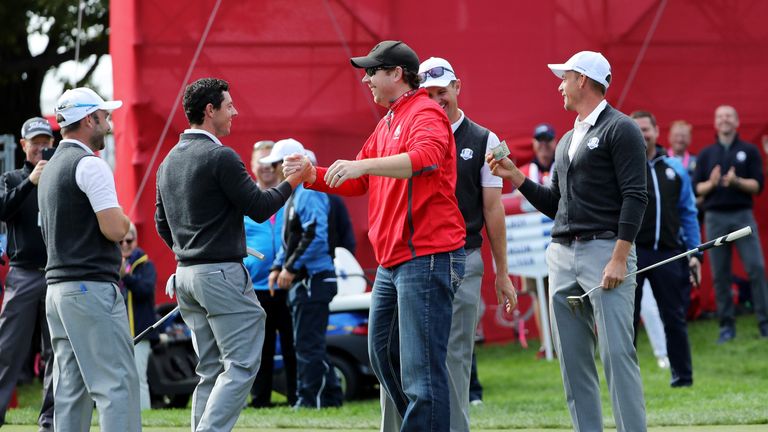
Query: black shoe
{"type": "Point", "coordinates": [726, 334]}
{"type": "Point", "coordinates": [763, 329]}
{"type": "Point", "coordinates": [681, 383]}
{"type": "Point", "coordinates": [258, 405]}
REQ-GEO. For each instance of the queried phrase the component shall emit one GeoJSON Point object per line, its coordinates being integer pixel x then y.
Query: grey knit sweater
{"type": "Point", "coordinates": [603, 188]}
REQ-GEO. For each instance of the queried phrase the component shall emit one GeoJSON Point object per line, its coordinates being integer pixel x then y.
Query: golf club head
{"type": "Point", "coordinates": [574, 302]}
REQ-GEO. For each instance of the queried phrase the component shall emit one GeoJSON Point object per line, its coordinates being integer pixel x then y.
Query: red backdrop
{"type": "Point", "coordinates": [287, 63]}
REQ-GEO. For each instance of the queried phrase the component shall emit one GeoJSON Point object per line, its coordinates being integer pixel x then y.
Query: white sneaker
{"type": "Point", "coordinates": [476, 402]}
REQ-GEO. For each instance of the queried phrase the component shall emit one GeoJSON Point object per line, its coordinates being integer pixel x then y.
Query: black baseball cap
{"type": "Point", "coordinates": [389, 53]}
{"type": "Point", "coordinates": [544, 132]}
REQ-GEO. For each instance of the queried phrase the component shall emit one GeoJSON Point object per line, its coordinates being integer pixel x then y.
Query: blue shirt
{"type": "Point", "coordinates": [265, 238]}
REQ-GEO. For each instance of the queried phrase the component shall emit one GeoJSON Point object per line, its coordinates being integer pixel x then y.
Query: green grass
{"type": "Point", "coordinates": [730, 388]}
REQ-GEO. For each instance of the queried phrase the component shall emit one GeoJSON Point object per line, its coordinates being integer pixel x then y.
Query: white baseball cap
{"type": "Point", "coordinates": [77, 103]}
{"type": "Point", "coordinates": [282, 149]}
{"type": "Point", "coordinates": [589, 63]}
{"type": "Point", "coordinates": [311, 156]}
{"type": "Point", "coordinates": [436, 72]}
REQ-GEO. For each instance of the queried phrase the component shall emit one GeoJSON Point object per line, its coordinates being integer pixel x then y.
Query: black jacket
{"type": "Point", "coordinates": [670, 221]}
{"type": "Point", "coordinates": [745, 157]}
{"type": "Point", "coordinates": [19, 210]}
{"type": "Point", "coordinates": [140, 283]}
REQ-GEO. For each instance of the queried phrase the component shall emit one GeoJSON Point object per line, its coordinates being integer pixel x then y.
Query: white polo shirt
{"type": "Point", "coordinates": [580, 128]}
{"type": "Point", "coordinates": [95, 179]}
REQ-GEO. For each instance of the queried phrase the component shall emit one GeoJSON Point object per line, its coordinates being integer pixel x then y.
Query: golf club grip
{"type": "Point", "coordinates": [728, 238]}
{"type": "Point", "coordinates": [144, 334]}
{"type": "Point", "coordinates": [255, 253]}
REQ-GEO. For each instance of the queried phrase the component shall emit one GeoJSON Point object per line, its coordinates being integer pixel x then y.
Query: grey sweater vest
{"type": "Point", "coordinates": [77, 250]}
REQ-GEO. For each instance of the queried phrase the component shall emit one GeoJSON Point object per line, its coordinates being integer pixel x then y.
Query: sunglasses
{"type": "Point", "coordinates": [435, 72]}
{"type": "Point", "coordinates": [127, 241]}
{"type": "Point", "coordinates": [371, 71]}
{"type": "Point", "coordinates": [75, 105]}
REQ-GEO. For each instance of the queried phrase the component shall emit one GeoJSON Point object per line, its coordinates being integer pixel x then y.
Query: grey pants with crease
{"type": "Point", "coordinates": [606, 315]}
{"type": "Point", "coordinates": [93, 358]}
{"type": "Point", "coordinates": [218, 303]}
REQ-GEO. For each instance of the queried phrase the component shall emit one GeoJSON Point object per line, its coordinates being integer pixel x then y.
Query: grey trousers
{"type": "Point", "coordinates": [719, 223]}
{"type": "Point", "coordinates": [93, 358]}
{"type": "Point", "coordinates": [219, 305]}
{"type": "Point", "coordinates": [461, 343]}
{"type": "Point", "coordinates": [23, 309]}
{"type": "Point", "coordinates": [573, 269]}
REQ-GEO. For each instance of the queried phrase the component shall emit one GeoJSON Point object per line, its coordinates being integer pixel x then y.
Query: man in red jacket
{"type": "Point", "coordinates": [408, 168]}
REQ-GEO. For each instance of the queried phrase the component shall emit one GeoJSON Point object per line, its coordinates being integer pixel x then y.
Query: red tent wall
{"type": "Point", "coordinates": [287, 63]}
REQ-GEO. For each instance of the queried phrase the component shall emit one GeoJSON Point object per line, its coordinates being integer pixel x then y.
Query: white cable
{"type": "Point", "coordinates": [641, 54]}
{"type": "Point", "coordinates": [371, 104]}
{"type": "Point", "coordinates": [174, 107]}
{"type": "Point", "coordinates": [80, 7]}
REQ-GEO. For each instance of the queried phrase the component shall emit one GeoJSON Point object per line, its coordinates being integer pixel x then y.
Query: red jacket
{"type": "Point", "coordinates": [413, 217]}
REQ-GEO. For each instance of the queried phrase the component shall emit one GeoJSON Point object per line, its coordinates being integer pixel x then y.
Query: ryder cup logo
{"type": "Point", "coordinates": [741, 156]}
{"type": "Point", "coordinates": [592, 143]}
{"type": "Point", "coordinates": [670, 173]}
{"type": "Point", "coordinates": [466, 153]}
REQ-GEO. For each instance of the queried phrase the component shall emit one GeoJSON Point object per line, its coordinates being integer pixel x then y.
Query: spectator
{"type": "Point", "coordinates": [340, 232]}
{"type": "Point", "coordinates": [265, 237]}
{"type": "Point", "coordinates": [24, 302]}
{"type": "Point", "coordinates": [679, 141]}
{"type": "Point", "coordinates": [479, 197]}
{"type": "Point", "coordinates": [539, 169]}
{"type": "Point", "coordinates": [729, 173]}
{"type": "Point", "coordinates": [82, 223]}
{"type": "Point", "coordinates": [138, 278]}
{"type": "Point", "coordinates": [304, 266]}
{"type": "Point", "coordinates": [669, 227]}
{"type": "Point", "coordinates": [597, 197]}
{"type": "Point", "coordinates": [408, 165]}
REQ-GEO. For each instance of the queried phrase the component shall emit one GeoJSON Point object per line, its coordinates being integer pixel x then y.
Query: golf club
{"type": "Point", "coordinates": [142, 335]}
{"type": "Point", "coordinates": [577, 301]}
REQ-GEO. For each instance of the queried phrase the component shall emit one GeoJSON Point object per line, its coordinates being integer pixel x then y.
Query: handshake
{"type": "Point", "coordinates": [298, 168]}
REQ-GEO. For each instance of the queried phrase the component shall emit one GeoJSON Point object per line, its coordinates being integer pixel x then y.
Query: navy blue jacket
{"type": "Point", "coordinates": [670, 219]}
{"type": "Point", "coordinates": [742, 155]}
{"type": "Point", "coordinates": [140, 282]}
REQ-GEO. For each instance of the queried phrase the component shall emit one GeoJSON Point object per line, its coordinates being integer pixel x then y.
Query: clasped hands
{"type": "Point", "coordinates": [339, 172]}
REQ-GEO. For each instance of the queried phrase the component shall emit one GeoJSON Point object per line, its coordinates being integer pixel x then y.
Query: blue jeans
{"type": "Point", "coordinates": [409, 323]}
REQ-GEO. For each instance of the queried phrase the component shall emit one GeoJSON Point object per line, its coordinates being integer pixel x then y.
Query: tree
{"type": "Point", "coordinates": [21, 73]}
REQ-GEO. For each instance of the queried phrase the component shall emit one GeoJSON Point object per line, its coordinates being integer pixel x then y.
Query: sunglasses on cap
{"type": "Point", "coordinates": [435, 72]}
{"type": "Point", "coordinates": [127, 241]}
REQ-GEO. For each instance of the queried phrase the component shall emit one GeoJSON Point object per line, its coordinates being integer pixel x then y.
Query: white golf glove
{"type": "Point", "coordinates": [170, 286]}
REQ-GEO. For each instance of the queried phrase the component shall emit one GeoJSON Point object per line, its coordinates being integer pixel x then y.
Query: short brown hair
{"type": "Point", "coordinates": [644, 114]}
{"type": "Point", "coordinates": [597, 86]}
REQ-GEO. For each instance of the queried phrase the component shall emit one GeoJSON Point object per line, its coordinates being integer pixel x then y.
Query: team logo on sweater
{"type": "Point", "coordinates": [396, 135]}
{"type": "Point", "coordinates": [741, 156]}
{"type": "Point", "coordinates": [670, 173]}
{"type": "Point", "coordinates": [592, 143]}
{"type": "Point", "coordinates": [466, 153]}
